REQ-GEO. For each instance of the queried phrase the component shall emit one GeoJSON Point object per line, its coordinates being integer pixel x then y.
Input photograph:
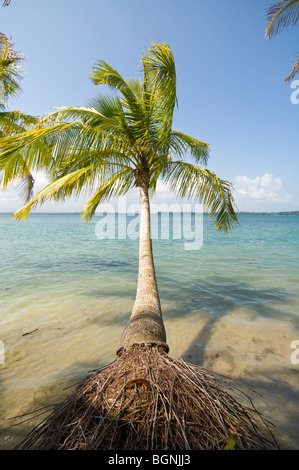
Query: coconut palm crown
{"type": "Point", "coordinates": [120, 141]}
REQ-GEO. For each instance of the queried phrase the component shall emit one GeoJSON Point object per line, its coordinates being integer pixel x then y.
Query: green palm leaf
{"type": "Point", "coordinates": [160, 76]}
{"type": "Point", "coordinates": [14, 122]}
{"type": "Point", "coordinates": [104, 74]}
{"type": "Point", "coordinates": [281, 15]}
{"type": "Point", "coordinates": [116, 186]}
{"type": "Point", "coordinates": [10, 75]}
{"type": "Point", "coordinates": [182, 144]}
{"type": "Point", "coordinates": [193, 182]}
{"type": "Point", "coordinates": [295, 70]}
{"type": "Point", "coordinates": [60, 188]}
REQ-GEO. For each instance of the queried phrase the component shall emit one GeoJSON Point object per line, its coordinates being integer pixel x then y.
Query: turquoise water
{"type": "Point", "coordinates": [232, 305]}
{"type": "Point", "coordinates": [59, 256]}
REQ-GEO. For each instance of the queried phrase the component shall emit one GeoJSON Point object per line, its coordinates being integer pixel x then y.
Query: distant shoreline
{"type": "Point", "coordinates": [287, 213]}
{"type": "Point", "coordinates": [295, 213]}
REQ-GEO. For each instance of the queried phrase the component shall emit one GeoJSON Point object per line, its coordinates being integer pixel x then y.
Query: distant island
{"type": "Point", "coordinates": [270, 213]}
{"type": "Point", "coordinates": [293, 213]}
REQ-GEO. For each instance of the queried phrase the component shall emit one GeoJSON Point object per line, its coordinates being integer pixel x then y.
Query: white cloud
{"type": "Point", "coordinates": [11, 198]}
{"type": "Point", "coordinates": [266, 190]}
{"type": "Point", "coordinates": [41, 181]}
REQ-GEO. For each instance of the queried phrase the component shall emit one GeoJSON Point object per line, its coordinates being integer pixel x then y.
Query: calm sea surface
{"type": "Point", "coordinates": [66, 295]}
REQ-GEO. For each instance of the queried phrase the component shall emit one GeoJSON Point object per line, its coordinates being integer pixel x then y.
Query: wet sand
{"type": "Point", "coordinates": [256, 352]}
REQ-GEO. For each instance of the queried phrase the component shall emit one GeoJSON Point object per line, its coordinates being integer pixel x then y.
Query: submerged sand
{"type": "Point", "coordinates": [43, 359]}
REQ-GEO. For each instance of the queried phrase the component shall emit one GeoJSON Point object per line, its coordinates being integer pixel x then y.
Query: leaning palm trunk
{"type": "Point", "coordinates": [146, 323]}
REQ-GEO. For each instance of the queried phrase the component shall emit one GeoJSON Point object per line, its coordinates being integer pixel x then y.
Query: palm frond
{"type": "Point", "coordinates": [181, 144]}
{"type": "Point", "coordinates": [294, 72]}
{"type": "Point", "coordinates": [159, 86]}
{"type": "Point", "coordinates": [112, 109]}
{"type": "Point", "coordinates": [117, 185]}
{"type": "Point", "coordinates": [194, 182]}
{"type": "Point", "coordinates": [103, 74]}
{"type": "Point", "coordinates": [14, 122]}
{"type": "Point", "coordinates": [26, 185]}
{"type": "Point", "coordinates": [160, 76]}
{"type": "Point", "coordinates": [35, 144]}
{"type": "Point", "coordinates": [11, 123]}
{"type": "Point", "coordinates": [60, 188]}
{"type": "Point", "coordinates": [7, 51]}
{"type": "Point", "coordinates": [18, 171]}
{"type": "Point", "coordinates": [281, 15]}
{"type": "Point", "coordinates": [10, 75]}
{"type": "Point", "coordinates": [114, 143]}
{"type": "Point", "coordinates": [87, 116]}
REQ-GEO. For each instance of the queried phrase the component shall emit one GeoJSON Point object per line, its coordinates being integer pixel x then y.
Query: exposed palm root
{"type": "Point", "coordinates": [146, 400]}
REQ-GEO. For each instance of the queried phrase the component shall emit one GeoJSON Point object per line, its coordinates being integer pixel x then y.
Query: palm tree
{"type": "Point", "coordinates": [13, 122]}
{"type": "Point", "coordinates": [9, 72]}
{"type": "Point", "coordinates": [280, 16]}
{"type": "Point", "coordinates": [119, 142]}
{"type": "Point", "coordinates": [144, 398]}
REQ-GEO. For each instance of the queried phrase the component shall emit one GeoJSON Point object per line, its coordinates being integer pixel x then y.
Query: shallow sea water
{"type": "Point", "coordinates": [66, 296]}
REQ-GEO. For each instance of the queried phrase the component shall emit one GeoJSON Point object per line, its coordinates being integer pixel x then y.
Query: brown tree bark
{"type": "Point", "coordinates": [146, 324]}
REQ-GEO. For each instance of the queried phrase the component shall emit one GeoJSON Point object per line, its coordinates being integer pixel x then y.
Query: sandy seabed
{"type": "Point", "coordinates": [41, 367]}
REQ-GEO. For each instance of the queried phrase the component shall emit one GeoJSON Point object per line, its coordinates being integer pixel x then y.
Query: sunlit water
{"type": "Point", "coordinates": [66, 295]}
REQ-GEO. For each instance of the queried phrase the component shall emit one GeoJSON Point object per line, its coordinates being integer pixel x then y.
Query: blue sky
{"type": "Point", "coordinates": [229, 80]}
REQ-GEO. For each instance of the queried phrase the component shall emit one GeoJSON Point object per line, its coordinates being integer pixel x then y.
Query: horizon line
{"type": "Point", "coordinates": [159, 212]}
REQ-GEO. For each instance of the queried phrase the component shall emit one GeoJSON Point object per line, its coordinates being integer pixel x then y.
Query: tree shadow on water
{"type": "Point", "coordinates": [278, 400]}
{"type": "Point", "coordinates": [40, 403]}
{"type": "Point", "coordinates": [214, 299]}
{"type": "Point", "coordinates": [274, 390]}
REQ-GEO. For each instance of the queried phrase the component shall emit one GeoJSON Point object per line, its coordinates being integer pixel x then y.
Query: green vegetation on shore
{"type": "Point", "coordinates": [270, 213]}
{"type": "Point", "coordinates": [292, 213]}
